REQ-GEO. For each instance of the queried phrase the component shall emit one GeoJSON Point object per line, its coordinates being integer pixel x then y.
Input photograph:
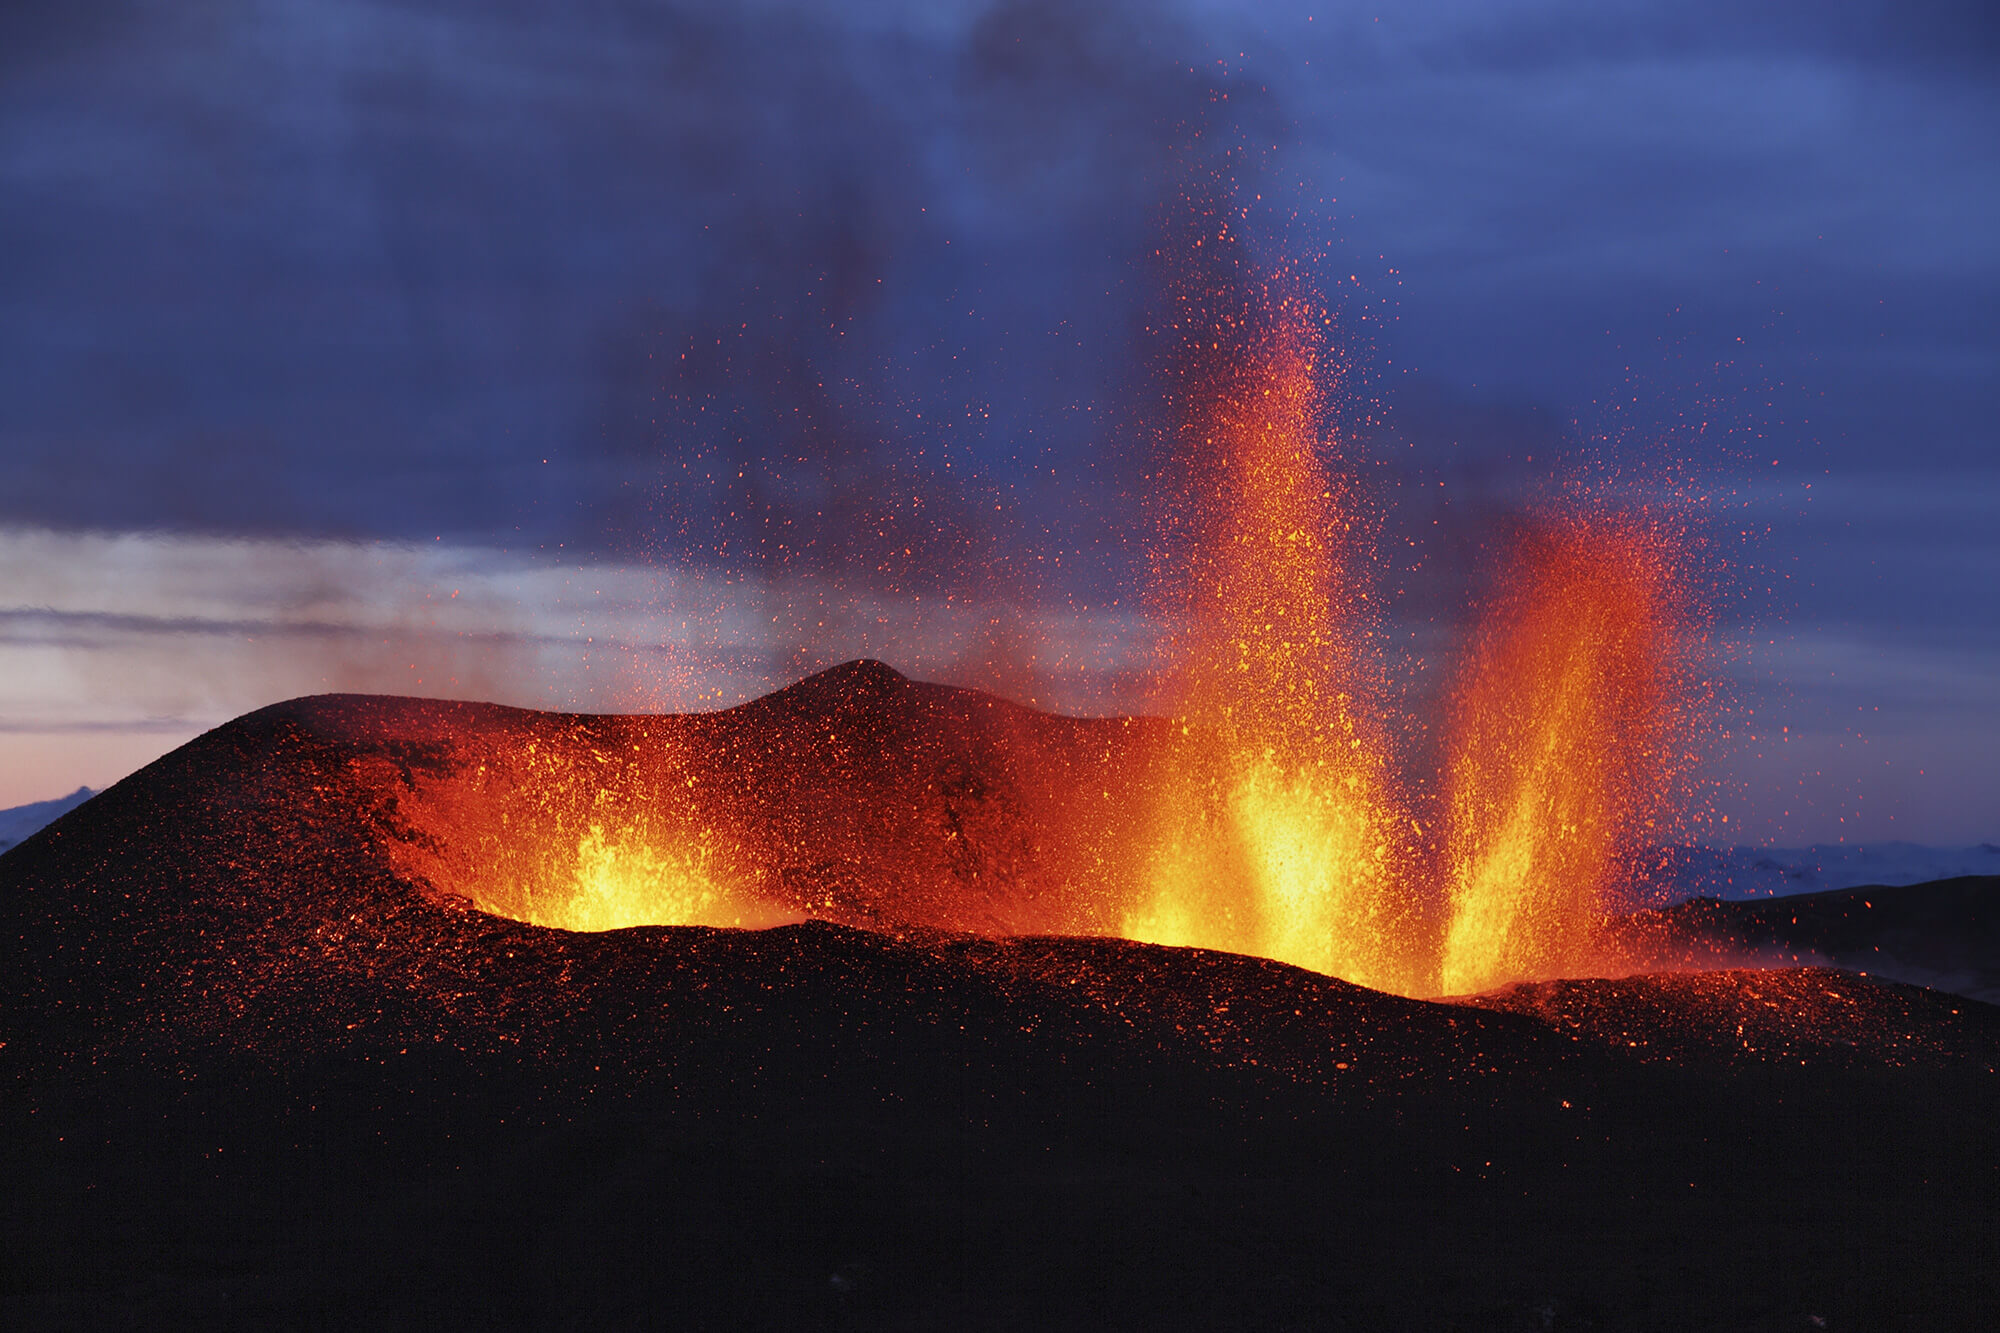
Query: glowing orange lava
{"type": "Point", "coordinates": [582, 833]}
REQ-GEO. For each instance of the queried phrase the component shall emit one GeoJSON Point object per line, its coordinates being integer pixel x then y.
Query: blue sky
{"type": "Point", "coordinates": [310, 287]}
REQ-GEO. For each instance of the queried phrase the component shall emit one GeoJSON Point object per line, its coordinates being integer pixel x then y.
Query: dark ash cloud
{"type": "Point", "coordinates": [762, 285]}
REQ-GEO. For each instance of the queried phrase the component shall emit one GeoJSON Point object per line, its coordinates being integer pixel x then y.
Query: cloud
{"type": "Point", "coordinates": [115, 648]}
{"type": "Point", "coordinates": [1928, 37]}
{"type": "Point", "coordinates": [359, 270]}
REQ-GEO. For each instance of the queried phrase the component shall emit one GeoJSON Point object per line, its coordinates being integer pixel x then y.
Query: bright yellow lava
{"type": "Point", "coordinates": [574, 834]}
{"type": "Point", "coordinates": [624, 881]}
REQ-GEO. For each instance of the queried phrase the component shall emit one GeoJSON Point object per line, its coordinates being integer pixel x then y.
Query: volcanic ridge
{"type": "Point", "coordinates": [284, 1042]}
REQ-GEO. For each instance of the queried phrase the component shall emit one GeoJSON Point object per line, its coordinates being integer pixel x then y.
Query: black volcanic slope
{"type": "Point", "coordinates": [260, 1072]}
{"type": "Point", "coordinates": [1945, 934]}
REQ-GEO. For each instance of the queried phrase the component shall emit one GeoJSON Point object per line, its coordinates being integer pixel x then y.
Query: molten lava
{"type": "Point", "coordinates": [581, 832]}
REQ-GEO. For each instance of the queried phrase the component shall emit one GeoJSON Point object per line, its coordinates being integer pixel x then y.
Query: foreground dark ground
{"type": "Point", "coordinates": [255, 1076]}
{"type": "Point", "coordinates": [933, 1175]}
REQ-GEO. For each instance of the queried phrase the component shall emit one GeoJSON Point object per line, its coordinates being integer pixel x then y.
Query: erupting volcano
{"type": "Point", "coordinates": [270, 1032]}
{"type": "Point", "coordinates": [1275, 811]}
{"type": "Point", "coordinates": [848, 1006]}
{"type": "Point", "coordinates": [1022, 664]}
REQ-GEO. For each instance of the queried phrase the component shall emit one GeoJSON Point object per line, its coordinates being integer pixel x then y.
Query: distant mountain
{"type": "Point", "coordinates": [18, 822]}
{"type": "Point", "coordinates": [1734, 873]}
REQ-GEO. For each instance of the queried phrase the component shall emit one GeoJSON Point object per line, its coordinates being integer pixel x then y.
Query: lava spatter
{"type": "Point", "coordinates": [1566, 742]}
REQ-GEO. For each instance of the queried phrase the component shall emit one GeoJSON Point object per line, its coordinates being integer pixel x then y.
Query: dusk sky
{"type": "Point", "coordinates": [636, 355]}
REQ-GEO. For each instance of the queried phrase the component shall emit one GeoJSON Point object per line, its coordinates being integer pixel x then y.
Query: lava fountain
{"type": "Point", "coordinates": [1287, 826]}
{"type": "Point", "coordinates": [1276, 831]}
{"type": "Point", "coordinates": [577, 828]}
{"type": "Point", "coordinates": [1566, 738]}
